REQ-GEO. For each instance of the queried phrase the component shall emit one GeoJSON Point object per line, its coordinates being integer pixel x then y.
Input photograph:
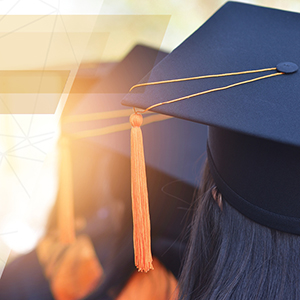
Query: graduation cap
{"type": "Point", "coordinates": [238, 74]}
{"type": "Point", "coordinates": [102, 122]}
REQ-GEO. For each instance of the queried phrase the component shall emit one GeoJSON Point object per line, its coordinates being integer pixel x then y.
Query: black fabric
{"type": "Point", "coordinates": [258, 177]}
{"type": "Point", "coordinates": [23, 279]}
{"type": "Point", "coordinates": [255, 159]}
{"type": "Point", "coordinates": [238, 37]}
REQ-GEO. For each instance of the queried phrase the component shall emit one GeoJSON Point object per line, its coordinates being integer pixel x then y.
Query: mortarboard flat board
{"type": "Point", "coordinates": [254, 140]}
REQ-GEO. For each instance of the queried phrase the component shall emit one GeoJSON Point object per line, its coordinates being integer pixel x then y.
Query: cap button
{"type": "Point", "coordinates": [287, 67]}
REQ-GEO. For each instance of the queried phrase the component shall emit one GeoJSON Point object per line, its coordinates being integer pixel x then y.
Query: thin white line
{"type": "Point", "coordinates": [49, 5]}
{"type": "Point", "coordinates": [21, 157]}
{"type": "Point", "coordinates": [45, 62]}
{"type": "Point", "coordinates": [17, 177]}
{"type": "Point", "coordinates": [29, 145]}
{"type": "Point", "coordinates": [10, 10]}
{"type": "Point", "coordinates": [8, 33]}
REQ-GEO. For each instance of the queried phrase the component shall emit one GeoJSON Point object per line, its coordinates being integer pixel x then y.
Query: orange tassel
{"type": "Point", "coordinates": [139, 194]}
{"type": "Point", "coordinates": [65, 212]}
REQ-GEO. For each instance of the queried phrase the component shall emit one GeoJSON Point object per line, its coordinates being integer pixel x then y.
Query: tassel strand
{"type": "Point", "coordinates": [139, 194]}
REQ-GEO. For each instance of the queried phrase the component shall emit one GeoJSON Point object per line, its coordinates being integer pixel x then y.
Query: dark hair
{"type": "Point", "coordinates": [232, 257]}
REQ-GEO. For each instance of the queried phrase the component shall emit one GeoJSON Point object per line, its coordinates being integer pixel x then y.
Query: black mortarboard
{"type": "Point", "coordinates": [254, 142]}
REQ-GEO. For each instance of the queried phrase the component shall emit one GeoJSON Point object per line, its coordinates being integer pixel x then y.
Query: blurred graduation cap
{"type": "Point", "coordinates": [104, 98]}
{"type": "Point", "coordinates": [102, 122]}
{"type": "Point", "coordinates": [101, 168]}
{"type": "Point", "coordinates": [249, 97]}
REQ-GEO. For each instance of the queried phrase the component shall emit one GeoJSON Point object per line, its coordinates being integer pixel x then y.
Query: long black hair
{"type": "Point", "coordinates": [232, 257]}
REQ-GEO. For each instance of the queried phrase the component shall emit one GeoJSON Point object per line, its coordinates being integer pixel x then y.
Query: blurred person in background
{"type": "Point", "coordinates": [98, 264]}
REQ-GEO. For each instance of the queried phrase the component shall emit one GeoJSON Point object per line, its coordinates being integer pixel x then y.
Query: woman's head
{"type": "Point", "coordinates": [232, 257]}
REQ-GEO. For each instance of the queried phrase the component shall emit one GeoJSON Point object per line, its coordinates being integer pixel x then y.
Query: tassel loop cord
{"type": "Point", "coordinates": [204, 92]}
{"type": "Point", "coordinates": [201, 77]}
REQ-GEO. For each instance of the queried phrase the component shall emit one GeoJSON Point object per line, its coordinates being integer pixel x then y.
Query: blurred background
{"type": "Point", "coordinates": [68, 37]}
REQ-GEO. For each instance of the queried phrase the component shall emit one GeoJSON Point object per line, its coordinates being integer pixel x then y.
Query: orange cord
{"type": "Point", "coordinates": [200, 93]}
{"type": "Point", "coordinates": [201, 77]}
